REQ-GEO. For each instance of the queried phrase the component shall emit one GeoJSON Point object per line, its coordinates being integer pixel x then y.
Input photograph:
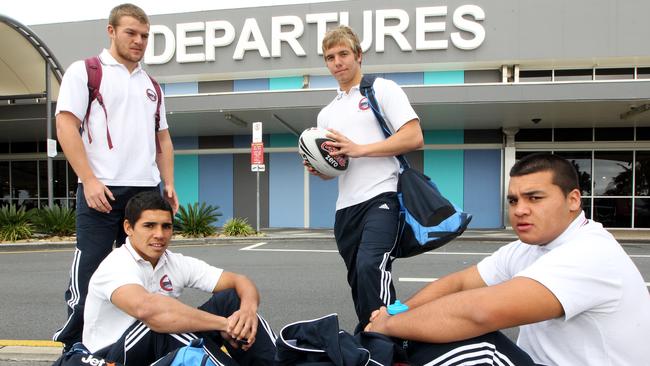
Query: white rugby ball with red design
{"type": "Point", "coordinates": [312, 148]}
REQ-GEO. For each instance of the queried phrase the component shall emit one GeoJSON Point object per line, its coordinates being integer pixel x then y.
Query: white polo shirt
{"type": "Point", "coordinates": [104, 323]}
{"type": "Point", "coordinates": [604, 297]}
{"type": "Point", "coordinates": [130, 101]}
{"type": "Point", "coordinates": [350, 114]}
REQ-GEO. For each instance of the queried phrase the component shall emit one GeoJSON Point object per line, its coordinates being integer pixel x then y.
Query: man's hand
{"type": "Point", "coordinates": [345, 145]}
{"type": "Point", "coordinates": [97, 195]}
{"type": "Point", "coordinates": [169, 194]}
{"type": "Point", "coordinates": [378, 320]}
{"type": "Point", "coordinates": [315, 172]}
{"type": "Point", "coordinates": [242, 326]}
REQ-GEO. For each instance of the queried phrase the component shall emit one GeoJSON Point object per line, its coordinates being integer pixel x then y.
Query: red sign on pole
{"type": "Point", "coordinates": [257, 156]}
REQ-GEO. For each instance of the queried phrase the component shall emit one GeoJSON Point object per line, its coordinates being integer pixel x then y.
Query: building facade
{"type": "Point", "coordinates": [490, 80]}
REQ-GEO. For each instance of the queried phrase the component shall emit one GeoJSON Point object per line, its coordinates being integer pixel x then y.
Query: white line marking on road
{"type": "Point", "coordinates": [416, 279]}
{"type": "Point", "coordinates": [639, 256]}
{"type": "Point", "coordinates": [252, 247]}
{"type": "Point", "coordinates": [458, 253]}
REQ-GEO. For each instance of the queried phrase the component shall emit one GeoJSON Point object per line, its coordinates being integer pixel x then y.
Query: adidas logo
{"type": "Point", "coordinates": [384, 207]}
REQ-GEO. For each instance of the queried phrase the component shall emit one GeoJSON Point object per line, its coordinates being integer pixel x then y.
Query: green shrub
{"type": "Point", "coordinates": [14, 223]}
{"type": "Point", "coordinates": [196, 221]}
{"type": "Point", "coordinates": [237, 227]}
{"type": "Point", "coordinates": [55, 220]}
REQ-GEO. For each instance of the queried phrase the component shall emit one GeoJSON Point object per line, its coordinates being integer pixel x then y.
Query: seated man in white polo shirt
{"type": "Point", "coordinates": [576, 295]}
{"type": "Point", "coordinates": [133, 317]}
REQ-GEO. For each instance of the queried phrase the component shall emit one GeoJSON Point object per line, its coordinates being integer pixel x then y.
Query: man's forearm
{"type": "Point", "coordinates": [466, 279]}
{"type": "Point", "coordinates": [67, 131]}
{"type": "Point", "coordinates": [165, 160]}
{"type": "Point", "coordinates": [406, 139]}
{"type": "Point", "coordinates": [450, 318]}
{"type": "Point", "coordinates": [168, 315]}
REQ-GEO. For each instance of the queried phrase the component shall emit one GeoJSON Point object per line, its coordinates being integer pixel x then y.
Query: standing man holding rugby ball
{"type": "Point", "coordinates": [367, 209]}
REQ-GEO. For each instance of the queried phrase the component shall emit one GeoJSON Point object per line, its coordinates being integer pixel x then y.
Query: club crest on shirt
{"type": "Point", "coordinates": [363, 104]}
{"type": "Point", "coordinates": [152, 95]}
{"type": "Point", "coordinates": [166, 283]}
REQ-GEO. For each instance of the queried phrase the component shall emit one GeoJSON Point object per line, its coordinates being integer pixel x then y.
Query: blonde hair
{"type": "Point", "coordinates": [125, 10]}
{"type": "Point", "coordinates": [342, 35]}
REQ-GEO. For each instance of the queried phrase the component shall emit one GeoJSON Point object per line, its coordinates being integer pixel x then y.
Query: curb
{"type": "Point", "coordinates": [622, 237]}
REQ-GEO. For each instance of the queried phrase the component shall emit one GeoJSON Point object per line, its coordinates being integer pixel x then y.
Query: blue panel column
{"type": "Point", "coordinates": [482, 188]}
{"type": "Point", "coordinates": [216, 183]}
{"type": "Point", "coordinates": [186, 171]}
{"type": "Point", "coordinates": [445, 167]}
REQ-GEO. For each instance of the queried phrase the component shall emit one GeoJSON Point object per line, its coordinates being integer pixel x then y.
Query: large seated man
{"type": "Point", "coordinates": [132, 314]}
{"type": "Point", "coordinates": [576, 295]}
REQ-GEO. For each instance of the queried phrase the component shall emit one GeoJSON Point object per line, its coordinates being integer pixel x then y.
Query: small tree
{"type": "Point", "coordinates": [237, 227]}
{"type": "Point", "coordinates": [56, 220]}
{"type": "Point", "coordinates": [14, 223]}
{"type": "Point", "coordinates": [196, 220]}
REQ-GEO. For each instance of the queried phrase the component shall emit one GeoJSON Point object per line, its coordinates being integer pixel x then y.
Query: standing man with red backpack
{"type": "Point", "coordinates": [111, 124]}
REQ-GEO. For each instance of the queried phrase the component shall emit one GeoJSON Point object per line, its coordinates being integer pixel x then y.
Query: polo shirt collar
{"type": "Point", "coordinates": [129, 247]}
{"type": "Point", "coordinates": [341, 92]}
{"type": "Point", "coordinates": [108, 59]}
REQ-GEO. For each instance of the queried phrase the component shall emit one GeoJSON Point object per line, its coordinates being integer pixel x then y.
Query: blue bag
{"type": "Point", "coordinates": [194, 354]}
{"type": "Point", "coordinates": [427, 219]}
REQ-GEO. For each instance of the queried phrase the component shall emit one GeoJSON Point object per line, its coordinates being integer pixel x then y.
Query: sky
{"type": "Point", "coordinates": [30, 12]}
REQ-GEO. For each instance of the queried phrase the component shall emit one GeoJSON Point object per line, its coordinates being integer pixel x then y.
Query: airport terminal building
{"type": "Point", "coordinates": [490, 80]}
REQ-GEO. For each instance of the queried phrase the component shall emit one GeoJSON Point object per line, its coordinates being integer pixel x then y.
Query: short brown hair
{"type": "Point", "coordinates": [342, 35]}
{"type": "Point", "coordinates": [124, 10]}
{"type": "Point", "coordinates": [565, 175]}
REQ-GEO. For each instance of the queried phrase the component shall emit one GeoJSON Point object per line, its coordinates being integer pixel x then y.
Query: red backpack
{"type": "Point", "coordinates": [94, 71]}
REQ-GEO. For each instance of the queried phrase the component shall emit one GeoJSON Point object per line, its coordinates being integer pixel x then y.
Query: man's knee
{"type": "Point", "coordinates": [222, 303]}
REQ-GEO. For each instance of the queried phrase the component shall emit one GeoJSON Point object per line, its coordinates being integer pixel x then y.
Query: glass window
{"type": "Point", "coordinates": [573, 75]}
{"type": "Point", "coordinates": [4, 180]}
{"type": "Point", "coordinates": [23, 147]}
{"type": "Point", "coordinates": [612, 173]}
{"type": "Point", "coordinates": [581, 160]}
{"type": "Point", "coordinates": [615, 74]}
{"type": "Point", "coordinates": [573, 134]}
{"type": "Point", "coordinates": [613, 212]}
{"type": "Point", "coordinates": [643, 73]}
{"type": "Point", "coordinates": [535, 75]}
{"type": "Point", "coordinates": [642, 173]}
{"type": "Point", "coordinates": [614, 134]}
{"type": "Point", "coordinates": [642, 212]}
{"type": "Point", "coordinates": [24, 183]}
{"type": "Point", "coordinates": [534, 134]}
{"type": "Point", "coordinates": [72, 183]}
{"type": "Point", "coordinates": [58, 174]}
{"type": "Point", "coordinates": [586, 207]}
{"type": "Point", "coordinates": [643, 133]}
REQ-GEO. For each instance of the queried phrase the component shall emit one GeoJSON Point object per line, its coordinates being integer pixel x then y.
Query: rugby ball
{"type": "Point", "coordinates": [312, 148]}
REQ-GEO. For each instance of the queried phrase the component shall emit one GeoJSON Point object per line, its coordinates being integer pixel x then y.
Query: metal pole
{"type": "Point", "coordinates": [48, 107]}
{"type": "Point", "coordinates": [257, 226]}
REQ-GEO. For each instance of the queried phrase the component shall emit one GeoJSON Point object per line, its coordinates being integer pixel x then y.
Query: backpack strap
{"type": "Point", "coordinates": [156, 86]}
{"type": "Point", "coordinates": [367, 90]}
{"type": "Point", "coordinates": [94, 71]}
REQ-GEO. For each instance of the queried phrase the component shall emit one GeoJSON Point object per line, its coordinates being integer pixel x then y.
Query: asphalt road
{"type": "Point", "coordinates": [297, 280]}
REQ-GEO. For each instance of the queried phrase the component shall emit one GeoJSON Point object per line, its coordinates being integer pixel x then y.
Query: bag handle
{"type": "Point", "coordinates": [367, 90]}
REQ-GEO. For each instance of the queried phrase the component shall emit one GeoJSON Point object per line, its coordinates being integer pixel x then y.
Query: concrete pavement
{"type": "Point", "coordinates": [38, 353]}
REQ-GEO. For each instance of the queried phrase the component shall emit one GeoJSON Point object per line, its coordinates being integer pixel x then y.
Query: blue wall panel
{"type": "Point", "coordinates": [444, 77]}
{"type": "Point", "coordinates": [216, 183]}
{"type": "Point", "coordinates": [186, 171]}
{"type": "Point", "coordinates": [291, 82]}
{"type": "Point", "coordinates": [322, 81]}
{"type": "Point", "coordinates": [322, 202]}
{"type": "Point", "coordinates": [482, 188]}
{"type": "Point", "coordinates": [286, 193]}
{"type": "Point", "coordinates": [181, 88]}
{"type": "Point", "coordinates": [406, 78]}
{"type": "Point", "coordinates": [251, 85]}
{"type": "Point", "coordinates": [445, 167]}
